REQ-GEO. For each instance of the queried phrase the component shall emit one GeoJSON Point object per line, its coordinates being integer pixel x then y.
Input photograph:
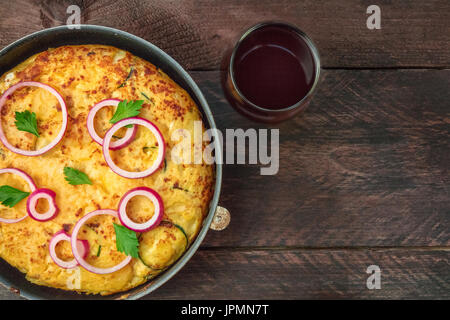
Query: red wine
{"type": "Point", "coordinates": [274, 68]}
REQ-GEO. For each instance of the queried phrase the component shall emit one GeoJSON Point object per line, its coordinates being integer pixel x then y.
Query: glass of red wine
{"type": "Point", "coordinates": [272, 72]}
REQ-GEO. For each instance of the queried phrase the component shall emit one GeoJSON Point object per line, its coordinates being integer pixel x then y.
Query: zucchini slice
{"type": "Point", "coordinates": [162, 246]}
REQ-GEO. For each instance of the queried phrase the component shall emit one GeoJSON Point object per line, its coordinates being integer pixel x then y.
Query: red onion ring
{"type": "Point", "coordinates": [30, 182]}
{"type": "Point", "coordinates": [154, 220]}
{"type": "Point", "coordinates": [32, 202]}
{"type": "Point", "coordinates": [33, 153]}
{"type": "Point", "coordinates": [83, 248]}
{"type": "Point", "coordinates": [119, 144]}
{"type": "Point", "coordinates": [79, 257]}
{"type": "Point", "coordinates": [159, 138]}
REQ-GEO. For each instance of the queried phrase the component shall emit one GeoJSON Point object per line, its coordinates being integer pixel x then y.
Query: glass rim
{"type": "Point", "coordinates": [312, 47]}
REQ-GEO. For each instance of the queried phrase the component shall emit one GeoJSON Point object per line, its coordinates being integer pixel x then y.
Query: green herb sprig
{"type": "Point", "coordinates": [127, 109]}
{"type": "Point", "coordinates": [126, 241]}
{"type": "Point", "coordinates": [10, 196]}
{"type": "Point", "coordinates": [127, 78]}
{"type": "Point", "coordinates": [26, 121]}
{"type": "Point", "coordinates": [146, 96]}
{"type": "Point", "coordinates": [76, 177]}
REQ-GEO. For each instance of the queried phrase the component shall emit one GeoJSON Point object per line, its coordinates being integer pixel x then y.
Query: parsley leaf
{"type": "Point", "coordinates": [127, 109]}
{"type": "Point", "coordinates": [76, 177]}
{"type": "Point", "coordinates": [10, 196]}
{"type": "Point", "coordinates": [126, 241]}
{"type": "Point", "coordinates": [26, 121]}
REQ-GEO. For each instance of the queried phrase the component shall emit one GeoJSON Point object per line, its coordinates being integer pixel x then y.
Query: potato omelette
{"type": "Point", "coordinates": [85, 75]}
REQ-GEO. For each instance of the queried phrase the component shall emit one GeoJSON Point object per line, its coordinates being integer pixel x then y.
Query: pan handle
{"type": "Point", "coordinates": [221, 219]}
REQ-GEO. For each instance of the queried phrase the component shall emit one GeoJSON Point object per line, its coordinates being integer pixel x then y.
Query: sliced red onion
{"type": "Point", "coordinates": [30, 182]}
{"type": "Point", "coordinates": [60, 135]}
{"type": "Point", "coordinates": [78, 255]}
{"type": "Point", "coordinates": [159, 138]}
{"type": "Point", "coordinates": [153, 221]}
{"type": "Point", "coordinates": [43, 193]}
{"type": "Point", "coordinates": [119, 144]}
{"type": "Point", "coordinates": [82, 245]}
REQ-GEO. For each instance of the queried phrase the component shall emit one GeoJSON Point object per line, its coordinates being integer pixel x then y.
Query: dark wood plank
{"type": "Point", "coordinates": [307, 274]}
{"type": "Point", "coordinates": [197, 33]}
{"type": "Point", "coordinates": [367, 164]}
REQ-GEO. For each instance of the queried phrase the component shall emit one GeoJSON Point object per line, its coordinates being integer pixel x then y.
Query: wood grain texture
{"type": "Point", "coordinates": [364, 172]}
{"type": "Point", "coordinates": [307, 274]}
{"type": "Point", "coordinates": [367, 164]}
{"type": "Point", "coordinates": [198, 32]}
{"type": "Point", "coordinates": [310, 274]}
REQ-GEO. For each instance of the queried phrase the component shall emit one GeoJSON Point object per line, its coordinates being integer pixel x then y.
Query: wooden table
{"type": "Point", "coordinates": [364, 173]}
